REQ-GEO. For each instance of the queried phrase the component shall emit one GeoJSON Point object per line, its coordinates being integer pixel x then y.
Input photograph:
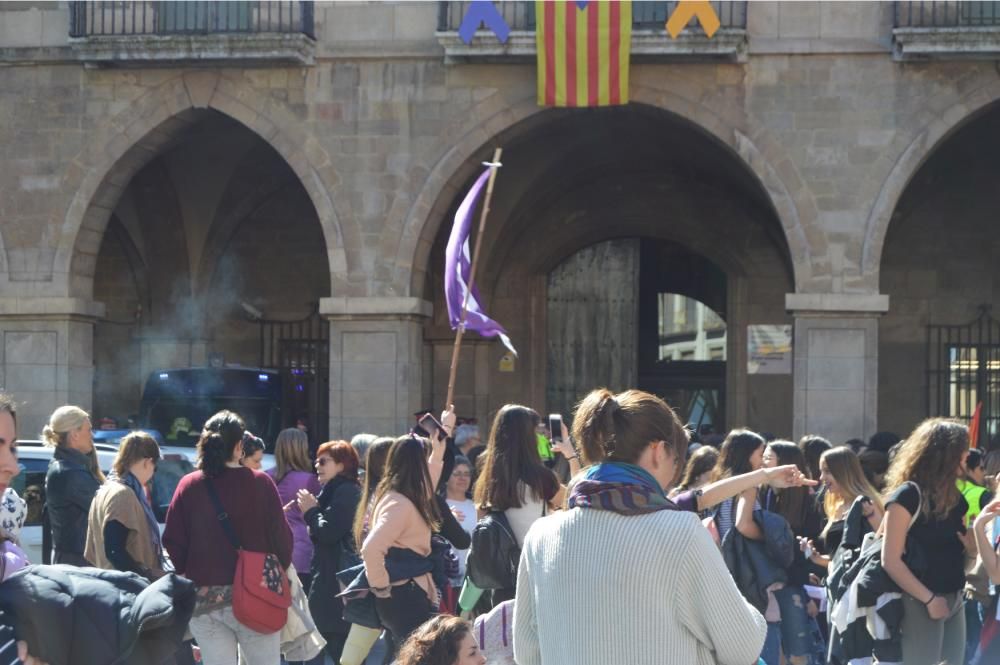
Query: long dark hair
{"type": "Point", "coordinates": [511, 459]}
{"type": "Point", "coordinates": [699, 463]}
{"type": "Point", "coordinates": [406, 473]}
{"type": "Point", "coordinates": [792, 503]}
{"type": "Point", "coordinates": [812, 448]}
{"type": "Point", "coordinates": [734, 457]}
{"type": "Point", "coordinates": [375, 459]}
{"type": "Point", "coordinates": [219, 438]}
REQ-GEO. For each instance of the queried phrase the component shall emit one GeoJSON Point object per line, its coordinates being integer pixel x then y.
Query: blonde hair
{"type": "Point", "coordinates": [930, 457]}
{"type": "Point", "coordinates": [291, 453]}
{"type": "Point", "coordinates": [842, 463]}
{"type": "Point", "coordinates": [134, 447]}
{"type": "Point", "coordinates": [63, 420]}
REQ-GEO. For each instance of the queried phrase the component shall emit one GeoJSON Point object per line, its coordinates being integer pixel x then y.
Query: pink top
{"type": "Point", "coordinates": [395, 522]}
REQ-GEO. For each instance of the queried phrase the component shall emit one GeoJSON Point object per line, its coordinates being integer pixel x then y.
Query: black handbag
{"type": "Point", "coordinates": [494, 554]}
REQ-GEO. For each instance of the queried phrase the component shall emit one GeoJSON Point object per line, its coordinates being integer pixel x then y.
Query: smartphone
{"type": "Point", "coordinates": [555, 426]}
{"type": "Point", "coordinates": [431, 425]}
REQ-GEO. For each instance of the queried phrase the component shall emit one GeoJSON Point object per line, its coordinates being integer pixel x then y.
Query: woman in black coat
{"type": "Point", "coordinates": [330, 517]}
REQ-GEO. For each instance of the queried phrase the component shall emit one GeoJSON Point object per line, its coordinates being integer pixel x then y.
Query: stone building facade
{"type": "Point", "coordinates": [832, 163]}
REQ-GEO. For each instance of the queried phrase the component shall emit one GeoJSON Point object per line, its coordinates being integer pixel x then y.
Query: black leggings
{"type": "Point", "coordinates": [405, 610]}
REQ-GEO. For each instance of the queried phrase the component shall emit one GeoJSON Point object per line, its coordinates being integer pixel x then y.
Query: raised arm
{"type": "Point", "coordinates": [986, 550]}
{"type": "Point", "coordinates": [779, 477]}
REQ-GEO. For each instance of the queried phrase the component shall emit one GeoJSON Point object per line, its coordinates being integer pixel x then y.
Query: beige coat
{"type": "Point", "coordinates": [116, 501]}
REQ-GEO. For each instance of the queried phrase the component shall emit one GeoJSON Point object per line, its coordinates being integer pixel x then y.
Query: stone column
{"type": "Point", "coordinates": [376, 358]}
{"type": "Point", "coordinates": [47, 356]}
{"type": "Point", "coordinates": [835, 368]}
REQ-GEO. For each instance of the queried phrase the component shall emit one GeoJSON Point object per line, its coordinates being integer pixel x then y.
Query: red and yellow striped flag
{"type": "Point", "coordinates": [583, 54]}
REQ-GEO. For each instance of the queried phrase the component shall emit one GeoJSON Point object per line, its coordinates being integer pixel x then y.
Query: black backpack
{"type": "Point", "coordinates": [494, 554]}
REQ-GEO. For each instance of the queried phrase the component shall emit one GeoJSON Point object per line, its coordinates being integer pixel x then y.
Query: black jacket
{"type": "Point", "coordinates": [70, 487]}
{"type": "Point", "coordinates": [114, 618]}
{"type": "Point", "coordinates": [333, 546]}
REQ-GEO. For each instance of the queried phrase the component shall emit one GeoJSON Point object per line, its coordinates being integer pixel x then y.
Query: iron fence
{"type": "Point", "coordinates": [963, 371]}
{"type": "Point", "coordinates": [946, 14]}
{"type": "Point", "coordinates": [122, 18]}
{"type": "Point", "coordinates": [520, 15]}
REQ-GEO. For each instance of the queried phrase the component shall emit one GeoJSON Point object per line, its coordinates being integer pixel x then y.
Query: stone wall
{"type": "Point", "coordinates": [383, 136]}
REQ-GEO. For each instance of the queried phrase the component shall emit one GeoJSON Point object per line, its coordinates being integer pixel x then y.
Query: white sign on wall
{"type": "Point", "coordinates": [769, 349]}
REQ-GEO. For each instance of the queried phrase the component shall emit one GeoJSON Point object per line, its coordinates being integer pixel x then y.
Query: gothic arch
{"type": "Point", "coordinates": [132, 138]}
{"type": "Point", "coordinates": [494, 117]}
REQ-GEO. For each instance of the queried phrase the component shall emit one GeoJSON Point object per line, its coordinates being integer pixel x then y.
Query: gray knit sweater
{"type": "Point", "coordinates": [596, 588]}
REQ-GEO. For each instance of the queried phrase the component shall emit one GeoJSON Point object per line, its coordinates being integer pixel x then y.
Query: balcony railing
{"type": "Point", "coordinates": [189, 17]}
{"type": "Point", "coordinates": [520, 15]}
{"type": "Point", "coordinates": [650, 40]}
{"type": "Point", "coordinates": [946, 29]}
{"type": "Point", "coordinates": [122, 32]}
{"type": "Point", "coordinates": [946, 14]}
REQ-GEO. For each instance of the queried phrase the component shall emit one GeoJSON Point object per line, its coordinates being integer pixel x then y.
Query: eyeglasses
{"type": "Point", "coordinates": [323, 460]}
{"type": "Point", "coordinates": [461, 474]}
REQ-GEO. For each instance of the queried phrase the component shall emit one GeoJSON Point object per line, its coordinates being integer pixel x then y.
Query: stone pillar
{"type": "Point", "coordinates": [376, 358]}
{"type": "Point", "coordinates": [47, 356]}
{"type": "Point", "coordinates": [835, 367]}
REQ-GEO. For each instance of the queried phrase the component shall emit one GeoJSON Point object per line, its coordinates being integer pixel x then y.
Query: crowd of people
{"type": "Point", "coordinates": [620, 539]}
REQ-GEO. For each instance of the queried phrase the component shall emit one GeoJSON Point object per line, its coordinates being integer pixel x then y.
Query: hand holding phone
{"type": "Point", "coordinates": [555, 426]}
{"type": "Point", "coordinates": [433, 428]}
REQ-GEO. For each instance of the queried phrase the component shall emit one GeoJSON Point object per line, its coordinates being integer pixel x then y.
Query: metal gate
{"type": "Point", "coordinates": [963, 370]}
{"type": "Point", "coordinates": [300, 352]}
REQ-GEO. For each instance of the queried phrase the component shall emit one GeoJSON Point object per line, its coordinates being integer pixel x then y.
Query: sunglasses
{"type": "Point", "coordinates": [322, 461]}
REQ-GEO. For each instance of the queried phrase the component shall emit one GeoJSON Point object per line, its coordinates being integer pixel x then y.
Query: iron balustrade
{"type": "Point", "coordinates": [946, 14]}
{"type": "Point", "coordinates": [119, 18]}
{"type": "Point", "coordinates": [520, 14]}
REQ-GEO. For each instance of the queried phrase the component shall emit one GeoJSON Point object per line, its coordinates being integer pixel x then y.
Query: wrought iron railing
{"type": "Point", "coordinates": [121, 18]}
{"type": "Point", "coordinates": [946, 14]}
{"type": "Point", "coordinates": [520, 15]}
{"type": "Point", "coordinates": [963, 371]}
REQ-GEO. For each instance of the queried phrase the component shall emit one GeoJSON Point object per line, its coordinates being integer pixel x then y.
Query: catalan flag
{"type": "Point", "coordinates": [583, 52]}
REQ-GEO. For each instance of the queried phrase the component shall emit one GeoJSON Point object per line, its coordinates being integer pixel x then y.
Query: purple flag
{"type": "Point", "coordinates": [457, 269]}
{"type": "Point", "coordinates": [483, 12]}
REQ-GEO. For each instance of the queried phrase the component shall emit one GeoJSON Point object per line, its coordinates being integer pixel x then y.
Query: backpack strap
{"type": "Point", "coordinates": [222, 515]}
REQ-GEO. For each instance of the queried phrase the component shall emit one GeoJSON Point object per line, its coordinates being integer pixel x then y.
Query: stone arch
{"type": "Point", "coordinates": [910, 153]}
{"type": "Point", "coordinates": [489, 120]}
{"type": "Point", "coordinates": [100, 172]}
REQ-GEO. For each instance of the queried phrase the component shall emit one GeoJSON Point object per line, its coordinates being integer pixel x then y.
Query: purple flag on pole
{"type": "Point", "coordinates": [457, 269]}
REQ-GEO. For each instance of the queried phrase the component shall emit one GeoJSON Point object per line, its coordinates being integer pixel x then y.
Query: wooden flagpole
{"type": "Point", "coordinates": [494, 165]}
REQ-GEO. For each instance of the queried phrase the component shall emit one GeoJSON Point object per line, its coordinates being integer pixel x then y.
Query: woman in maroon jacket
{"type": "Point", "coordinates": [200, 550]}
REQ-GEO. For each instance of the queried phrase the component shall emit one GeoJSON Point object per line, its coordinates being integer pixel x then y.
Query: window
{"type": "Point", "coordinates": [689, 330]}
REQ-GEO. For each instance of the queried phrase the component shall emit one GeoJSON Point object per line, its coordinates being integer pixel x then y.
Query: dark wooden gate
{"type": "Point", "coordinates": [963, 370]}
{"type": "Point", "coordinates": [591, 323]}
{"type": "Point", "coordinates": [300, 351]}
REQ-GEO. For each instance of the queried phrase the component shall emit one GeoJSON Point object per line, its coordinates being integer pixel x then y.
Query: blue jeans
{"type": "Point", "coordinates": [794, 632]}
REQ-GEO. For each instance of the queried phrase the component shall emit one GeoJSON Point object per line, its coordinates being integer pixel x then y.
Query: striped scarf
{"type": "Point", "coordinates": [619, 487]}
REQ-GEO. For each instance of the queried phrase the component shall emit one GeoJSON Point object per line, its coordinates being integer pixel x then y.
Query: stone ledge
{"type": "Point", "coordinates": [50, 307]}
{"type": "Point", "coordinates": [839, 303]}
{"type": "Point", "coordinates": [727, 45]}
{"type": "Point", "coordinates": [374, 308]}
{"type": "Point", "coordinates": [244, 48]}
{"type": "Point", "coordinates": [967, 42]}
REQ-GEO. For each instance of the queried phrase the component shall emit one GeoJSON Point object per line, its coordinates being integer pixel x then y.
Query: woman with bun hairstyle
{"type": "Point", "coordinates": [202, 552]}
{"type": "Point", "coordinates": [661, 593]}
{"type": "Point", "coordinates": [71, 482]}
{"type": "Point", "coordinates": [921, 488]}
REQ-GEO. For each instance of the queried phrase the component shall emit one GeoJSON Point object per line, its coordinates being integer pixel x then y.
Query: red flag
{"type": "Point", "coordinates": [974, 426]}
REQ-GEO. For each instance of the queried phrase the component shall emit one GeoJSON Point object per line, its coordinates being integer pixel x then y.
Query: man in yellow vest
{"type": "Point", "coordinates": [972, 485]}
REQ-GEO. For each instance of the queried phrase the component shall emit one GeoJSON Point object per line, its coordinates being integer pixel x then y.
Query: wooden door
{"type": "Point", "coordinates": [591, 323]}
